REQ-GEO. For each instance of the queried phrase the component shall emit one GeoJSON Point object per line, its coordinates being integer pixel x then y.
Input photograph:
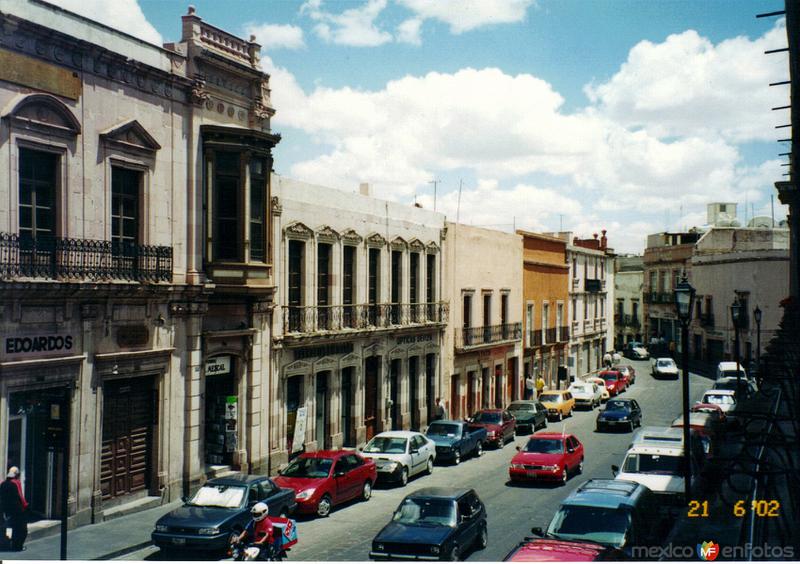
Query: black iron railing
{"type": "Point", "coordinates": [75, 259]}
{"type": "Point", "coordinates": [488, 334]}
{"type": "Point", "coordinates": [313, 319]}
{"type": "Point", "coordinates": [707, 319]}
{"type": "Point", "coordinates": [627, 320]}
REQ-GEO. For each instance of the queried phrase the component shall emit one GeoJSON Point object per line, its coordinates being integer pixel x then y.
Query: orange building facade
{"type": "Point", "coordinates": [545, 298]}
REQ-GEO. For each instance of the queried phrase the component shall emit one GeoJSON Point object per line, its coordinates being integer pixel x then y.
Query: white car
{"type": "Point", "coordinates": [400, 455]}
{"type": "Point", "coordinates": [586, 394]}
{"type": "Point", "coordinates": [725, 399]}
{"type": "Point", "coordinates": [727, 369]}
{"type": "Point", "coordinates": [665, 368]}
{"type": "Point", "coordinates": [601, 385]}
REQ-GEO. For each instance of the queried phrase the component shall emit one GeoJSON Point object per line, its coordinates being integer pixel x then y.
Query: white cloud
{"type": "Point", "coordinates": [689, 86]}
{"type": "Point", "coordinates": [409, 31]}
{"type": "Point", "coordinates": [355, 27]}
{"type": "Point", "coordinates": [125, 15]}
{"type": "Point", "coordinates": [465, 15]}
{"type": "Point", "coordinates": [275, 36]}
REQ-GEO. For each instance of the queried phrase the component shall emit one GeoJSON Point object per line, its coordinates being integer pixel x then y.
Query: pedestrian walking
{"type": "Point", "coordinates": [616, 357]}
{"type": "Point", "coordinates": [607, 360]}
{"type": "Point", "coordinates": [14, 507]}
{"type": "Point", "coordinates": [439, 412]}
{"type": "Point", "coordinates": [539, 386]}
{"type": "Point", "coordinates": [530, 385]}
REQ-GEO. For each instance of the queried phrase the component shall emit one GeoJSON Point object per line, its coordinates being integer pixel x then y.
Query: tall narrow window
{"type": "Point", "coordinates": [124, 209]}
{"type": "Point", "coordinates": [413, 281]}
{"type": "Point", "coordinates": [545, 322]}
{"type": "Point", "coordinates": [467, 321]}
{"type": "Point", "coordinates": [397, 286]}
{"type": "Point", "coordinates": [487, 318]}
{"type": "Point", "coordinates": [528, 324]}
{"type": "Point", "coordinates": [227, 181]}
{"type": "Point", "coordinates": [559, 320]}
{"type": "Point", "coordinates": [430, 287]}
{"type": "Point", "coordinates": [258, 209]}
{"type": "Point", "coordinates": [348, 285]}
{"type": "Point", "coordinates": [504, 315]}
{"type": "Point", "coordinates": [37, 194]}
{"type": "Point", "coordinates": [373, 290]}
{"type": "Point", "coordinates": [323, 285]}
{"type": "Point", "coordinates": [296, 260]}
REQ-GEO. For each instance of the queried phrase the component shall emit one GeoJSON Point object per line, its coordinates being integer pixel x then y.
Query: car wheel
{"type": "Point", "coordinates": [633, 426]}
{"type": "Point", "coordinates": [560, 416]}
{"type": "Point", "coordinates": [429, 467]}
{"type": "Point", "coordinates": [453, 555]}
{"type": "Point", "coordinates": [570, 412]}
{"type": "Point", "coordinates": [457, 457]}
{"type": "Point", "coordinates": [564, 476]}
{"type": "Point", "coordinates": [324, 506]}
{"type": "Point", "coordinates": [479, 450]}
{"type": "Point", "coordinates": [404, 477]}
{"type": "Point", "coordinates": [580, 467]}
{"type": "Point", "coordinates": [366, 491]}
{"type": "Point", "coordinates": [483, 538]}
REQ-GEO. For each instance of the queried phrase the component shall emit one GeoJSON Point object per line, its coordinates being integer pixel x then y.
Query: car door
{"type": "Point", "coordinates": [356, 475]}
{"type": "Point", "coordinates": [416, 449]}
{"type": "Point", "coordinates": [340, 483]}
{"type": "Point", "coordinates": [636, 414]}
{"type": "Point", "coordinates": [469, 517]}
{"type": "Point", "coordinates": [577, 451]}
{"type": "Point", "coordinates": [508, 425]}
{"type": "Point", "coordinates": [541, 414]}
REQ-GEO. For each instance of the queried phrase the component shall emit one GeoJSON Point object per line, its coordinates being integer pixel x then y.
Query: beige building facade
{"type": "Point", "coordinates": [628, 297]}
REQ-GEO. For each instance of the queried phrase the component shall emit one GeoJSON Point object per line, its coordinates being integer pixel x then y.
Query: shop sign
{"type": "Point", "coordinates": [298, 442]}
{"type": "Point", "coordinates": [218, 365]}
{"type": "Point", "coordinates": [324, 350]}
{"type": "Point", "coordinates": [411, 339]}
{"type": "Point", "coordinates": [132, 336]}
{"type": "Point", "coordinates": [37, 345]}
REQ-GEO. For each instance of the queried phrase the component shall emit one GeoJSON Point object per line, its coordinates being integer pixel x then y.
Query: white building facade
{"type": "Point", "coordinates": [628, 300]}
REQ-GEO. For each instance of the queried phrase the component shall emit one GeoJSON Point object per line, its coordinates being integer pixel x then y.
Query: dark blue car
{"type": "Point", "coordinates": [620, 414]}
{"type": "Point", "coordinates": [218, 510]}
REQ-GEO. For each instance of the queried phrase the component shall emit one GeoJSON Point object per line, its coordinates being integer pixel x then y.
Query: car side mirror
{"type": "Point", "coordinates": [414, 451]}
{"type": "Point", "coordinates": [570, 450]}
{"type": "Point", "coordinates": [519, 448]}
{"type": "Point", "coordinates": [537, 531]}
{"type": "Point", "coordinates": [614, 469]}
{"type": "Point", "coordinates": [339, 473]}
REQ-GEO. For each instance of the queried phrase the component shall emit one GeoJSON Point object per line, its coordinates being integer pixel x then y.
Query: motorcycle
{"type": "Point", "coordinates": [285, 534]}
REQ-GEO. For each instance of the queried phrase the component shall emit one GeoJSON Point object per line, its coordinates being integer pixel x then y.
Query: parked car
{"type": "Point", "coordinates": [709, 408]}
{"type": "Point", "coordinates": [628, 371]}
{"type": "Point", "coordinates": [326, 478]}
{"type": "Point", "coordinates": [615, 382]}
{"type": "Point", "coordinates": [728, 369]}
{"type": "Point", "coordinates": [454, 440]}
{"type": "Point", "coordinates": [499, 425]}
{"type": "Point", "coordinates": [528, 414]}
{"type": "Point", "coordinates": [586, 394]}
{"type": "Point", "coordinates": [554, 550]}
{"type": "Point", "coordinates": [725, 399]}
{"type": "Point", "coordinates": [614, 513]}
{"type": "Point", "coordinates": [559, 403]}
{"type": "Point", "coordinates": [400, 455]}
{"type": "Point", "coordinates": [433, 524]}
{"type": "Point", "coordinates": [604, 395]}
{"type": "Point", "coordinates": [665, 368]}
{"type": "Point", "coordinates": [636, 351]}
{"type": "Point", "coordinates": [743, 386]}
{"type": "Point", "coordinates": [620, 413]}
{"type": "Point", "coordinates": [547, 457]}
{"type": "Point", "coordinates": [706, 426]}
{"type": "Point", "coordinates": [219, 510]}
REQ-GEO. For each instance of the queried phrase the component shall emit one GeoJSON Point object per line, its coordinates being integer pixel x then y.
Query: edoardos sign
{"type": "Point", "coordinates": [36, 345]}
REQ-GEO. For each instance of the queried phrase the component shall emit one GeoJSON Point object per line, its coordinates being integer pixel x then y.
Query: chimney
{"type": "Point", "coordinates": [603, 241]}
{"type": "Point", "coordinates": [364, 189]}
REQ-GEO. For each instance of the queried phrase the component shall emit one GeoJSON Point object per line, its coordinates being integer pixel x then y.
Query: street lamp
{"type": "Point", "coordinates": [757, 317]}
{"type": "Point", "coordinates": [684, 300]}
{"type": "Point", "coordinates": [736, 315]}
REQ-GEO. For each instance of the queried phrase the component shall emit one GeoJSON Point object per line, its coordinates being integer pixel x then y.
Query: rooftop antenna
{"type": "Point", "coordinates": [560, 222]}
{"type": "Point", "coordinates": [772, 209]}
{"type": "Point", "coordinates": [458, 205]}
{"type": "Point", "coordinates": [435, 183]}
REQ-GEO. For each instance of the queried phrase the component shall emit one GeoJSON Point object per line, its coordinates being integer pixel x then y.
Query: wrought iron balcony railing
{"type": "Point", "coordinates": [487, 335]}
{"type": "Point", "coordinates": [627, 320]}
{"type": "Point", "coordinates": [659, 297]}
{"type": "Point", "coordinates": [75, 259]}
{"type": "Point", "coordinates": [316, 319]}
{"type": "Point", "coordinates": [707, 319]}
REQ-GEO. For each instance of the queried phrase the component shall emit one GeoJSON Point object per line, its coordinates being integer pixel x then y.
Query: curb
{"type": "Point", "coordinates": [124, 551]}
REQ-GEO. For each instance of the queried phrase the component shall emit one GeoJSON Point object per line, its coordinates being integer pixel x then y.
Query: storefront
{"type": "Point", "coordinates": [221, 411]}
{"type": "Point", "coordinates": [484, 379]}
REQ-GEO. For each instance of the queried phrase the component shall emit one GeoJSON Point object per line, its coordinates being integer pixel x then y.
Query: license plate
{"type": "Point", "coordinates": [178, 541]}
{"type": "Point", "coordinates": [532, 473]}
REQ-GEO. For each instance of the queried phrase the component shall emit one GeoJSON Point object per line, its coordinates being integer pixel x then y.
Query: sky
{"type": "Point", "coordinates": [576, 115]}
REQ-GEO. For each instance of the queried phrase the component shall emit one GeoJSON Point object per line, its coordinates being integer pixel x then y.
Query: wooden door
{"type": "Point", "coordinates": [371, 396]}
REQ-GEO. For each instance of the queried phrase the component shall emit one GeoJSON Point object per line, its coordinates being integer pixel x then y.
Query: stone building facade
{"type": "Point", "coordinates": [545, 295]}
{"type": "Point", "coordinates": [360, 321]}
{"type": "Point", "coordinates": [116, 305]}
{"type": "Point", "coordinates": [483, 344]}
{"type": "Point", "coordinates": [628, 283]}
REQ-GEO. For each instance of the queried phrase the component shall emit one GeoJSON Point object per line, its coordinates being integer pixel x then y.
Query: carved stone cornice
{"type": "Point", "coordinates": [298, 230]}
{"type": "Point", "coordinates": [199, 95]}
{"type": "Point", "coordinates": [350, 237]}
{"type": "Point", "coordinates": [399, 244]}
{"type": "Point", "coordinates": [416, 245]}
{"type": "Point", "coordinates": [327, 234]}
{"type": "Point", "coordinates": [375, 240]}
{"type": "Point", "coordinates": [179, 309]}
{"type": "Point", "coordinates": [432, 247]}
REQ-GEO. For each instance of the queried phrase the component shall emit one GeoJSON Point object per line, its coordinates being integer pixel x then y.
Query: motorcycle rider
{"type": "Point", "coordinates": [259, 530]}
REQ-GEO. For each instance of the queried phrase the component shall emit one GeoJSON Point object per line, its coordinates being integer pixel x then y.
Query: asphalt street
{"type": "Point", "coordinates": [512, 510]}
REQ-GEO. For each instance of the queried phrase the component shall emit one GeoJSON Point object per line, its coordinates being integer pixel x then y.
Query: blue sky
{"type": "Point", "coordinates": [622, 115]}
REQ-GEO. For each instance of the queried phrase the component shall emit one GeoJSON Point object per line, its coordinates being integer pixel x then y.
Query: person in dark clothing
{"type": "Point", "coordinates": [439, 411]}
{"type": "Point", "coordinates": [14, 506]}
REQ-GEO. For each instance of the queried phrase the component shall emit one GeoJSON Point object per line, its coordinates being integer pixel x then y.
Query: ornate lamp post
{"type": "Point", "coordinates": [736, 315]}
{"type": "Point", "coordinates": [684, 301]}
{"type": "Point", "coordinates": [757, 317]}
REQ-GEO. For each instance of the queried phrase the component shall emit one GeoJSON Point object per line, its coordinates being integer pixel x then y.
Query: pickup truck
{"type": "Point", "coordinates": [454, 440]}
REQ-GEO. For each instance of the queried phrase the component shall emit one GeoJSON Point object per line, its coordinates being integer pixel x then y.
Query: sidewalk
{"type": "Point", "coordinates": [101, 541]}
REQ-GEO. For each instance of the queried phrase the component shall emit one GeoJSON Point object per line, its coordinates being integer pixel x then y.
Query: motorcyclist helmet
{"type": "Point", "coordinates": [259, 511]}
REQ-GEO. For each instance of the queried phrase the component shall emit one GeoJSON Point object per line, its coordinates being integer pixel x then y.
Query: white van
{"type": "Point", "coordinates": [655, 459]}
{"type": "Point", "coordinates": [727, 369]}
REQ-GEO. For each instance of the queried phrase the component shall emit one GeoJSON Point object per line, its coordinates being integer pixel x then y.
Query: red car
{"type": "Point", "coordinates": [616, 382]}
{"type": "Point", "coordinates": [326, 478]}
{"type": "Point", "coordinates": [547, 456]}
{"type": "Point", "coordinates": [553, 550]}
{"type": "Point", "coordinates": [628, 371]}
{"type": "Point", "coordinates": [499, 425]}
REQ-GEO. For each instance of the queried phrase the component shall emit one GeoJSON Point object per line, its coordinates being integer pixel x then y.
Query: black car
{"type": "Point", "coordinates": [530, 415]}
{"type": "Point", "coordinates": [433, 524]}
{"type": "Point", "coordinates": [219, 509]}
{"type": "Point", "coordinates": [620, 414]}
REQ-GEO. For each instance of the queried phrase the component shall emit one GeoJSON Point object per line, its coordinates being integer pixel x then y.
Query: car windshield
{"type": "Point", "coordinates": [616, 405]}
{"type": "Point", "coordinates": [726, 385]}
{"type": "Point", "coordinates": [653, 464]}
{"type": "Point", "coordinates": [387, 445]}
{"type": "Point", "coordinates": [443, 430]}
{"type": "Point", "coordinates": [308, 468]}
{"type": "Point", "coordinates": [609, 376]}
{"type": "Point", "coordinates": [598, 524]}
{"type": "Point", "coordinates": [580, 389]}
{"type": "Point", "coordinates": [487, 417]}
{"type": "Point", "coordinates": [732, 373]}
{"type": "Point", "coordinates": [551, 398]}
{"type": "Point", "coordinates": [426, 512]}
{"type": "Point", "coordinates": [545, 446]}
{"type": "Point", "coordinates": [520, 407]}
{"type": "Point", "coordinates": [623, 369]}
{"type": "Point", "coordinates": [719, 399]}
{"type": "Point", "coordinates": [218, 495]}
{"type": "Point", "coordinates": [665, 363]}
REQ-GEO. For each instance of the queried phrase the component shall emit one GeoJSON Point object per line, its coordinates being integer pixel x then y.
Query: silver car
{"type": "Point", "coordinates": [400, 455]}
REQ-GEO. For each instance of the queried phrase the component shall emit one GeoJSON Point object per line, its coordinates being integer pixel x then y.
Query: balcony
{"type": "Point", "coordinates": [659, 298]}
{"type": "Point", "coordinates": [55, 258]}
{"type": "Point", "coordinates": [576, 283]}
{"type": "Point", "coordinates": [593, 285]}
{"type": "Point", "coordinates": [627, 320]}
{"type": "Point", "coordinates": [473, 337]}
{"type": "Point", "coordinates": [707, 320]}
{"type": "Point", "coordinates": [535, 338]}
{"type": "Point", "coordinates": [299, 320]}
